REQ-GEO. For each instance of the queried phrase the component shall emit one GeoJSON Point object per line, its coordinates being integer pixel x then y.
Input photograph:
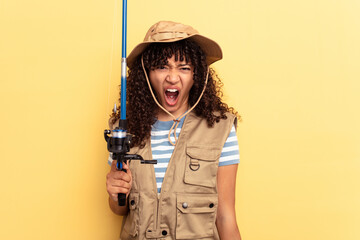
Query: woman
{"type": "Point", "coordinates": [177, 117]}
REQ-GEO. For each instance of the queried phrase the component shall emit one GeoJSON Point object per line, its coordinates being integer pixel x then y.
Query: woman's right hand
{"type": "Point", "coordinates": [118, 181]}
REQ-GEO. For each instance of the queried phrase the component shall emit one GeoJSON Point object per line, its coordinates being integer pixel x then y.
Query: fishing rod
{"type": "Point", "coordinates": [119, 140]}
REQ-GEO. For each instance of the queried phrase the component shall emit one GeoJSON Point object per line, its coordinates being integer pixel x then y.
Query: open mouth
{"type": "Point", "coordinates": [171, 96]}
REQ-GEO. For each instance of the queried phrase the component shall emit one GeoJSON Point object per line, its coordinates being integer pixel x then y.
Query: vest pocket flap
{"type": "Point", "coordinates": [205, 153]}
{"type": "Point", "coordinates": [196, 203]}
{"type": "Point", "coordinates": [196, 215]}
{"type": "Point", "coordinates": [133, 200]}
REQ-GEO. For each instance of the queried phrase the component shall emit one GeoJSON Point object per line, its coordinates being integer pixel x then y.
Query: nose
{"type": "Point", "coordinates": [173, 76]}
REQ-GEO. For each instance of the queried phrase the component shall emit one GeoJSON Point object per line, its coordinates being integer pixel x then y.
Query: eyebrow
{"type": "Point", "coordinates": [182, 65]}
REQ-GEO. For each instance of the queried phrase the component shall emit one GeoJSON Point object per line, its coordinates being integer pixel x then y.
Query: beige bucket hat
{"type": "Point", "coordinates": [167, 31]}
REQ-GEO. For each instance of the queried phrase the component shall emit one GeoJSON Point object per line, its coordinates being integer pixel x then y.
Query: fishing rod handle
{"type": "Point", "coordinates": [121, 196]}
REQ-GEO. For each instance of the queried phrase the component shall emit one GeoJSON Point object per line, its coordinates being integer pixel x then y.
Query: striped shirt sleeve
{"type": "Point", "coordinates": [230, 152]}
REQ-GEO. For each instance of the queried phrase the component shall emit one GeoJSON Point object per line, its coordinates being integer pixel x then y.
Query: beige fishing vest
{"type": "Point", "coordinates": [187, 205]}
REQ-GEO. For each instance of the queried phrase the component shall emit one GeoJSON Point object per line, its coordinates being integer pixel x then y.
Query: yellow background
{"type": "Point", "coordinates": [291, 69]}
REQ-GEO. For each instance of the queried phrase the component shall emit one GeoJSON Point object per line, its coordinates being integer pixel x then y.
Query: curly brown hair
{"type": "Point", "coordinates": [142, 109]}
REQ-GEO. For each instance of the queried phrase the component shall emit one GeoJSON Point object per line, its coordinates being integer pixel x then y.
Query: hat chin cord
{"type": "Point", "coordinates": [176, 120]}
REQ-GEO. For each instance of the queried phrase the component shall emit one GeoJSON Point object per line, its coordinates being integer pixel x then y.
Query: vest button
{"type": "Point", "coordinates": [132, 202]}
{"type": "Point", "coordinates": [164, 233]}
{"type": "Point", "coordinates": [184, 205]}
{"type": "Point", "coordinates": [211, 205]}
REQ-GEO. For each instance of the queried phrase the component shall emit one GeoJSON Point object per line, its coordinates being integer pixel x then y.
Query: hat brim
{"type": "Point", "coordinates": [211, 49]}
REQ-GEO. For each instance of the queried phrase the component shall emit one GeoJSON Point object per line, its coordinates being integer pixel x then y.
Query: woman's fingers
{"type": "Point", "coordinates": [119, 187]}
{"type": "Point", "coordinates": [121, 175]}
{"type": "Point", "coordinates": [116, 190]}
{"type": "Point", "coordinates": [118, 181]}
{"type": "Point", "coordinates": [116, 174]}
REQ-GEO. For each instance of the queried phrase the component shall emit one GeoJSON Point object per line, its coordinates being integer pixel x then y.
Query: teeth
{"type": "Point", "coordinates": [171, 90]}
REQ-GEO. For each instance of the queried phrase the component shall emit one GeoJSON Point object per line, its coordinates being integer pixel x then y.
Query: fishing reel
{"type": "Point", "coordinates": [118, 143]}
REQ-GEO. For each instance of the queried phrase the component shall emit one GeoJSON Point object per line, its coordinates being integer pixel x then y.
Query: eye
{"type": "Point", "coordinates": [186, 68]}
{"type": "Point", "coordinates": [161, 67]}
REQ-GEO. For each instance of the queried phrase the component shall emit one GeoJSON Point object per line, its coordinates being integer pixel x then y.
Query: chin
{"type": "Point", "coordinates": [171, 110]}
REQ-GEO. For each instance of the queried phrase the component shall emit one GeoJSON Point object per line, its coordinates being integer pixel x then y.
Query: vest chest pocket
{"type": "Point", "coordinates": [195, 215]}
{"type": "Point", "coordinates": [130, 228]}
{"type": "Point", "coordinates": [201, 165]}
